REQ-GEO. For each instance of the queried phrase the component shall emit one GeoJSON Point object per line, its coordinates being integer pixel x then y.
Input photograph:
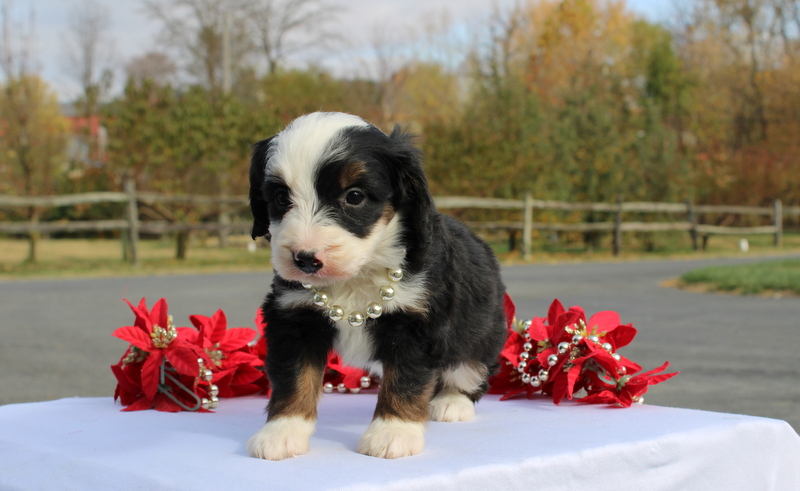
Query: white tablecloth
{"type": "Point", "coordinates": [85, 444]}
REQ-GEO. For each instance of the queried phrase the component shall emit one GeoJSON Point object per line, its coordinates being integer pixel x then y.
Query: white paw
{"type": "Point", "coordinates": [281, 438]}
{"type": "Point", "coordinates": [392, 439]}
{"type": "Point", "coordinates": [452, 406]}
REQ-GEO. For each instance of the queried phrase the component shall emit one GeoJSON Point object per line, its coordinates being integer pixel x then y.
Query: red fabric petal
{"type": "Point", "coordinates": [134, 336]}
{"type": "Point", "coordinates": [151, 374]}
{"type": "Point", "coordinates": [236, 338]}
{"type": "Point", "coordinates": [510, 310]}
{"type": "Point", "coordinates": [605, 321]}
{"type": "Point", "coordinates": [183, 358]}
{"type": "Point", "coordinates": [141, 404]}
{"type": "Point", "coordinates": [159, 313]}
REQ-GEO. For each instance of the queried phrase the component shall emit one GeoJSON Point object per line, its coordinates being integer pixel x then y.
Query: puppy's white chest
{"type": "Point", "coordinates": [356, 348]}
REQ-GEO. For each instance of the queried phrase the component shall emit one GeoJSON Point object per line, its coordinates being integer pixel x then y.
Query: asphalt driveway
{"type": "Point", "coordinates": [735, 354]}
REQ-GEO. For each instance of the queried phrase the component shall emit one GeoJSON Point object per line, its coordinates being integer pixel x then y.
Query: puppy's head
{"type": "Point", "coordinates": [337, 196]}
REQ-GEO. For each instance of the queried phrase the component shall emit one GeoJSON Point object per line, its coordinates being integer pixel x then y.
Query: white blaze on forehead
{"type": "Point", "coordinates": [297, 150]}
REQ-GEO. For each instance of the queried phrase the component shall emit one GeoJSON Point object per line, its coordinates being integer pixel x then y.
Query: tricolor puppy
{"type": "Point", "coordinates": [366, 266]}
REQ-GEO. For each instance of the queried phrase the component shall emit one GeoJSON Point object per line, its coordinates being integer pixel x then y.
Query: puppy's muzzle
{"type": "Point", "coordinates": [307, 262]}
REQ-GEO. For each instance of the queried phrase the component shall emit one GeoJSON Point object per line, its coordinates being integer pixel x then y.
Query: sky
{"type": "Point", "coordinates": [132, 33]}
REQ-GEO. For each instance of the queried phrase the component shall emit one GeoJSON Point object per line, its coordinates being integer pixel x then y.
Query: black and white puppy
{"type": "Point", "coordinates": [366, 266]}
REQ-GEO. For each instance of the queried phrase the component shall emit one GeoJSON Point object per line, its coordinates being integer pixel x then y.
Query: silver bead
{"type": "Point", "coordinates": [594, 339]}
{"type": "Point", "coordinates": [526, 335]}
{"type": "Point", "coordinates": [552, 360]}
{"type": "Point", "coordinates": [213, 390]}
{"type": "Point", "coordinates": [536, 382]}
{"type": "Point", "coordinates": [387, 292]}
{"type": "Point", "coordinates": [543, 375]}
{"type": "Point", "coordinates": [522, 365]}
{"type": "Point", "coordinates": [527, 324]}
{"type": "Point", "coordinates": [615, 356]}
{"type": "Point", "coordinates": [342, 388]}
{"type": "Point", "coordinates": [527, 346]}
{"type": "Point", "coordinates": [307, 286]}
{"type": "Point", "coordinates": [365, 382]}
{"type": "Point", "coordinates": [356, 390]}
{"type": "Point", "coordinates": [395, 274]}
{"type": "Point", "coordinates": [526, 378]}
{"type": "Point", "coordinates": [200, 362]}
{"type": "Point", "coordinates": [639, 400]}
{"type": "Point", "coordinates": [607, 346]}
{"type": "Point", "coordinates": [205, 403]}
{"type": "Point", "coordinates": [374, 310]}
{"type": "Point", "coordinates": [355, 319]}
{"type": "Point", "coordinates": [328, 388]}
{"type": "Point", "coordinates": [320, 299]}
{"type": "Point", "coordinates": [207, 375]}
{"type": "Point", "coordinates": [563, 347]}
{"type": "Point", "coordinates": [336, 313]}
{"type": "Point", "coordinates": [576, 339]}
{"type": "Point", "coordinates": [213, 402]}
{"type": "Point", "coordinates": [524, 356]}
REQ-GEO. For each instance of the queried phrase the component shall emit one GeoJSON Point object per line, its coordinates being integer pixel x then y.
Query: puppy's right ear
{"type": "Point", "coordinates": [258, 203]}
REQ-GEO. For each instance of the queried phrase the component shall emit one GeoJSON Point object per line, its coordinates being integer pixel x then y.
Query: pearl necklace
{"type": "Point", "coordinates": [356, 318]}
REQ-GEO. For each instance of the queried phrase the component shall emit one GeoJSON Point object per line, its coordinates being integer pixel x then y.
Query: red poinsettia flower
{"type": "Point", "coordinates": [225, 347]}
{"type": "Point", "coordinates": [154, 341]}
{"type": "Point", "coordinates": [627, 389]}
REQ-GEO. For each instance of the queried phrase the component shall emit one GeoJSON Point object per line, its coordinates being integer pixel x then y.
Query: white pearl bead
{"type": "Point", "coordinates": [336, 313]}
{"type": "Point", "coordinates": [395, 274]}
{"type": "Point", "coordinates": [607, 346]}
{"type": "Point", "coordinates": [342, 388]}
{"type": "Point", "coordinates": [594, 338]}
{"type": "Point", "coordinates": [387, 292]}
{"type": "Point", "coordinates": [365, 382]}
{"type": "Point", "coordinates": [320, 299]}
{"type": "Point", "coordinates": [355, 319]}
{"type": "Point", "coordinates": [328, 388]}
{"type": "Point", "coordinates": [374, 310]}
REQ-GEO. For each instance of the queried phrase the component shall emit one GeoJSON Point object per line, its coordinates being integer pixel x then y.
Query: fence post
{"type": "Point", "coordinates": [527, 226]}
{"type": "Point", "coordinates": [778, 221]}
{"type": "Point", "coordinates": [132, 215]}
{"type": "Point", "coordinates": [618, 227]}
{"type": "Point", "coordinates": [693, 224]}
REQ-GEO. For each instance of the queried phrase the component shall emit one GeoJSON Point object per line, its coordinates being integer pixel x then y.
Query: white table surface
{"type": "Point", "coordinates": [87, 443]}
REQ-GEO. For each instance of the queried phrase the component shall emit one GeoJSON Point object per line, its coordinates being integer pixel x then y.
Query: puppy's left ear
{"type": "Point", "coordinates": [258, 205]}
{"type": "Point", "coordinates": [414, 197]}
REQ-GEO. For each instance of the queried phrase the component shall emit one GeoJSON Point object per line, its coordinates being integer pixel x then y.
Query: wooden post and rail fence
{"type": "Point", "coordinates": [131, 226]}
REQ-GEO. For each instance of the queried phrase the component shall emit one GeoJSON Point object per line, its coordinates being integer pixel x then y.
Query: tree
{"type": "Point", "coordinates": [89, 54]}
{"type": "Point", "coordinates": [33, 130]}
{"type": "Point", "coordinates": [153, 65]}
{"type": "Point", "coordinates": [200, 30]}
{"type": "Point", "coordinates": [283, 28]}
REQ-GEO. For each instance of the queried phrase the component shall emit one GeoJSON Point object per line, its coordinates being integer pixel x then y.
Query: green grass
{"type": "Point", "coordinates": [103, 257]}
{"type": "Point", "coordinates": [750, 279]}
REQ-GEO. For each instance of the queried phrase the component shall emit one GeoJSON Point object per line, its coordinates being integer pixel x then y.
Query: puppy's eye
{"type": "Point", "coordinates": [282, 198]}
{"type": "Point", "coordinates": [355, 198]}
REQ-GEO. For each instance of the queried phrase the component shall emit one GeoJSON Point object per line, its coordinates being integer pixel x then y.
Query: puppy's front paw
{"type": "Point", "coordinates": [392, 439]}
{"type": "Point", "coordinates": [452, 406]}
{"type": "Point", "coordinates": [281, 438]}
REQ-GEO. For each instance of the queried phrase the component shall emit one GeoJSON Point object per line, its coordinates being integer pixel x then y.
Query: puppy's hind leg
{"type": "Point", "coordinates": [460, 388]}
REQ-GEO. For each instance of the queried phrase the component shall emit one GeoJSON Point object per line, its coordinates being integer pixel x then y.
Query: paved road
{"type": "Point", "coordinates": [735, 354]}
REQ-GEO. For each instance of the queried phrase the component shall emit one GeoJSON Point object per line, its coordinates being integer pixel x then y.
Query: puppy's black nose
{"type": "Point", "coordinates": [307, 262]}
